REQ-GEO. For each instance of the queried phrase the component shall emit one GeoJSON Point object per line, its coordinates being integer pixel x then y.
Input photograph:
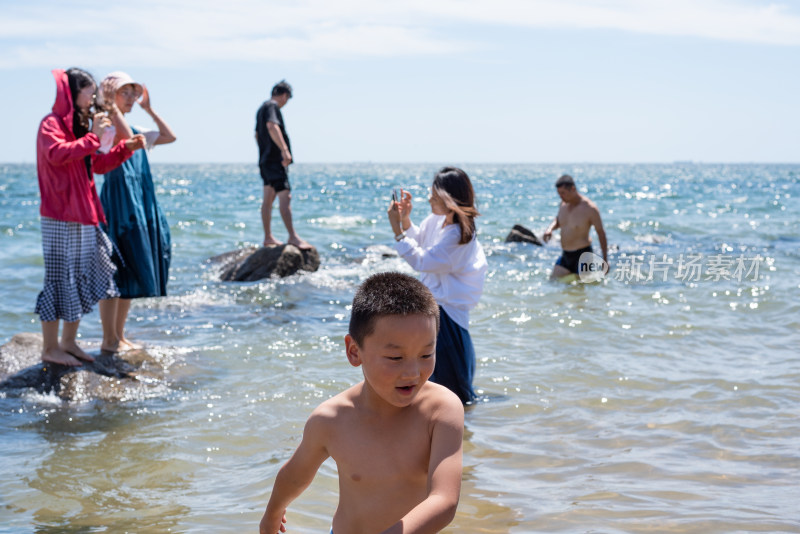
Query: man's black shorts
{"type": "Point", "coordinates": [570, 260]}
{"type": "Point", "coordinates": [274, 174]}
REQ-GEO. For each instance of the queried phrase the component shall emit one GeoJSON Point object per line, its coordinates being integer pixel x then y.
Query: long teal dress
{"type": "Point", "coordinates": [138, 229]}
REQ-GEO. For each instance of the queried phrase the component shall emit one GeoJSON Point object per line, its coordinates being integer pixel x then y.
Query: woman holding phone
{"type": "Point", "coordinates": [77, 264]}
{"type": "Point", "coordinates": [444, 248]}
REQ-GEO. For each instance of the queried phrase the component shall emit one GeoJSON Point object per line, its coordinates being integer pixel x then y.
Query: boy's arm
{"type": "Point", "coordinates": [444, 474]}
{"type": "Point", "coordinates": [296, 474]}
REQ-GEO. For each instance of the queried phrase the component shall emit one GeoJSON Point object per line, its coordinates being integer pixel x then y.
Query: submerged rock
{"type": "Point", "coordinates": [255, 263]}
{"type": "Point", "coordinates": [125, 376]}
{"type": "Point", "coordinates": [520, 234]}
{"type": "Point", "coordinates": [383, 251]}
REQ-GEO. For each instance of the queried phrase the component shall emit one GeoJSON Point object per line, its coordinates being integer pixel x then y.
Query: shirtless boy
{"type": "Point", "coordinates": [576, 216]}
{"type": "Point", "coordinates": [395, 437]}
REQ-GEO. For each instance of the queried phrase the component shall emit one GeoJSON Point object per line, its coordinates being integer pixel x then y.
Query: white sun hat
{"type": "Point", "coordinates": [120, 80]}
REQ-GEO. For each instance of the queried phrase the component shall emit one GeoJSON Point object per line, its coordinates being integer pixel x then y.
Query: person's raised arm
{"type": "Point", "coordinates": [109, 92]}
{"type": "Point", "coordinates": [165, 133]}
{"type": "Point", "coordinates": [103, 163]}
{"type": "Point", "coordinates": [442, 257]}
{"type": "Point", "coordinates": [52, 141]}
{"type": "Point", "coordinates": [296, 474]}
{"type": "Point", "coordinates": [395, 218]}
{"type": "Point", "coordinates": [277, 137]}
{"type": "Point", "coordinates": [405, 209]}
{"type": "Point", "coordinates": [444, 474]}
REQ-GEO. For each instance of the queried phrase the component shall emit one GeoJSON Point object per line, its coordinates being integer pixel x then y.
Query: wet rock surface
{"type": "Point", "coordinates": [125, 376]}
{"type": "Point", "coordinates": [520, 234]}
{"type": "Point", "coordinates": [256, 263]}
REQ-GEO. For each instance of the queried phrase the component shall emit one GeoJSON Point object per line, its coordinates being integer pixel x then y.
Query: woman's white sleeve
{"type": "Point", "coordinates": [413, 231]}
{"type": "Point", "coordinates": [435, 259]}
{"type": "Point", "coordinates": [150, 137]}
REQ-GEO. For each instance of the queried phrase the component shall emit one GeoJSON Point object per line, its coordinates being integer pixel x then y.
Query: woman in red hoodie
{"type": "Point", "coordinates": [78, 267]}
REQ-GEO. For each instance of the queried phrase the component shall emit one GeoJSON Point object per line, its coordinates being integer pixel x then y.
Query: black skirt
{"type": "Point", "coordinates": [455, 358]}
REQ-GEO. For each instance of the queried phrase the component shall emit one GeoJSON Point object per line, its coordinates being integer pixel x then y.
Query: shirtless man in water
{"type": "Point", "coordinates": [576, 216]}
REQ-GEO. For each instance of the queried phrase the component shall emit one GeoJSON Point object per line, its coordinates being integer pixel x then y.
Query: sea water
{"type": "Point", "coordinates": [664, 398]}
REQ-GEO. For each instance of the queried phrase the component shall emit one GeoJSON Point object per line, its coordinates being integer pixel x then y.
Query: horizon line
{"type": "Point", "coordinates": [371, 162]}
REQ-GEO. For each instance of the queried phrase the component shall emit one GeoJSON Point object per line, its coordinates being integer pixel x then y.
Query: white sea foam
{"type": "Point", "coordinates": [341, 222]}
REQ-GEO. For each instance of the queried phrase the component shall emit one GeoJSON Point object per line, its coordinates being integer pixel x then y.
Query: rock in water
{"type": "Point", "coordinates": [520, 234]}
{"type": "Point", "coordinates": [126, 376]}
{"type": "Point", "coordinates": [255, 263]}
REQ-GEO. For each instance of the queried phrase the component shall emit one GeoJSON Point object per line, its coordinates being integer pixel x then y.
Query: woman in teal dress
{"type": "Point", "coordinates": [136, 224]}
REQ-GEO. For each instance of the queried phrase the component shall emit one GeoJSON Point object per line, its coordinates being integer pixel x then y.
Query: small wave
{"type": "Point", "coordinates": [341, 222]}
{"type": "Point", "coordinates": [652, 239]}
{"type": "Point", "coordinates": [201, 297]}
{"type": "Point", "coordinates": [41, 399]}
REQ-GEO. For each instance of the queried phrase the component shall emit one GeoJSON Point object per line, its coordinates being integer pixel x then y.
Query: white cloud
{"type": "Point", "coordinates": [177, 32]}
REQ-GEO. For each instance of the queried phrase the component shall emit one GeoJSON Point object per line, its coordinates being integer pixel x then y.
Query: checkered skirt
{"type": "Point", "coordinates": [78, 270]}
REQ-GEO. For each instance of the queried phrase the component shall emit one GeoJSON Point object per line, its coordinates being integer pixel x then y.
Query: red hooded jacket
{"type": "Point", "coordinates": [68, 194]}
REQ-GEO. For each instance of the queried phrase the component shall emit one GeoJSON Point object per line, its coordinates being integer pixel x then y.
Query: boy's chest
{"type": "Point", "coordinates": [381, 454]}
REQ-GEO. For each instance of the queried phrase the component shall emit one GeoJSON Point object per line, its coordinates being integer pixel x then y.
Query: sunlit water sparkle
{"type": "Point", "coordinates": [622, 406]}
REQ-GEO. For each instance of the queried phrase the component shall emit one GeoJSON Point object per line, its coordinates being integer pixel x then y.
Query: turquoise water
{"type": "Point", "coordinates": [667, 404]}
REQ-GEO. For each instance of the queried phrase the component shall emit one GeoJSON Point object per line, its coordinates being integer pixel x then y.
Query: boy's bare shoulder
{"type": "Point", "coordinates": [440, 404]}
{"type": "Point", "coordinates": [325, 421]}
{"type": "Point", "coordinates": [434, 402]}
{"type": "Point", "coordinates": [337, 405]}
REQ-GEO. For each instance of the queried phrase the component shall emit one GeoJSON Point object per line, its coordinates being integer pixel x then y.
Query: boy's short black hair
{"type": "Point", "coordinates": [282, 88]}
{"type": "Point", "coordinates": [386, 294]}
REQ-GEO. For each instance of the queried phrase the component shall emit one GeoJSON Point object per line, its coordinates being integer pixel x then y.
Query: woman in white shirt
{"type": "Point", "coordinates": [444, 248]}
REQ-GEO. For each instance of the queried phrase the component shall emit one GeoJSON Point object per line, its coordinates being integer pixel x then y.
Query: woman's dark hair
{"type": "Point", "coordinates": [78, 80]}
{"type": "Point", "coordinates": [455, 189]}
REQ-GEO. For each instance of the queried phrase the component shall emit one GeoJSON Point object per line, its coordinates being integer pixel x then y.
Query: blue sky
{"type": "Point", "coordinates": [463, 81]}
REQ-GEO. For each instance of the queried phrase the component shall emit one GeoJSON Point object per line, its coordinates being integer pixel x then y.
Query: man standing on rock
{"type": "Point", "coordinates": [576, 216]}
{"type": "Point", "coordinates": [275, 155]}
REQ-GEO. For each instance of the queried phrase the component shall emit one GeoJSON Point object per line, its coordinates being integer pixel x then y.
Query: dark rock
{"type": "Point", "coordinates": [255, 263]}
{"type": "Point", "coordinates": [520, 234]}
{"type": "Point", "coordinates": [382, 251]}
{"type": "Point", "coordinates": [125, 376]}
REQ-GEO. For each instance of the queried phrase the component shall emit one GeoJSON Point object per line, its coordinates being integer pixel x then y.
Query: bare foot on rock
{"type": "Point", "coordinates": [75, 350]}
{"type": "Point", "coordinates": [271, 242]}
{"type": "Point", "coordinates": [126, 345]}
{"type": "Point", "coordinates": [60, 357]}
{"type": "Point", "coordinates": [302, 244]}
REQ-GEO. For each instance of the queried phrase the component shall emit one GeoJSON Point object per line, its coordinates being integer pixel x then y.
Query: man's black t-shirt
{"type": "Point", "coordinates": [269, 152]}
